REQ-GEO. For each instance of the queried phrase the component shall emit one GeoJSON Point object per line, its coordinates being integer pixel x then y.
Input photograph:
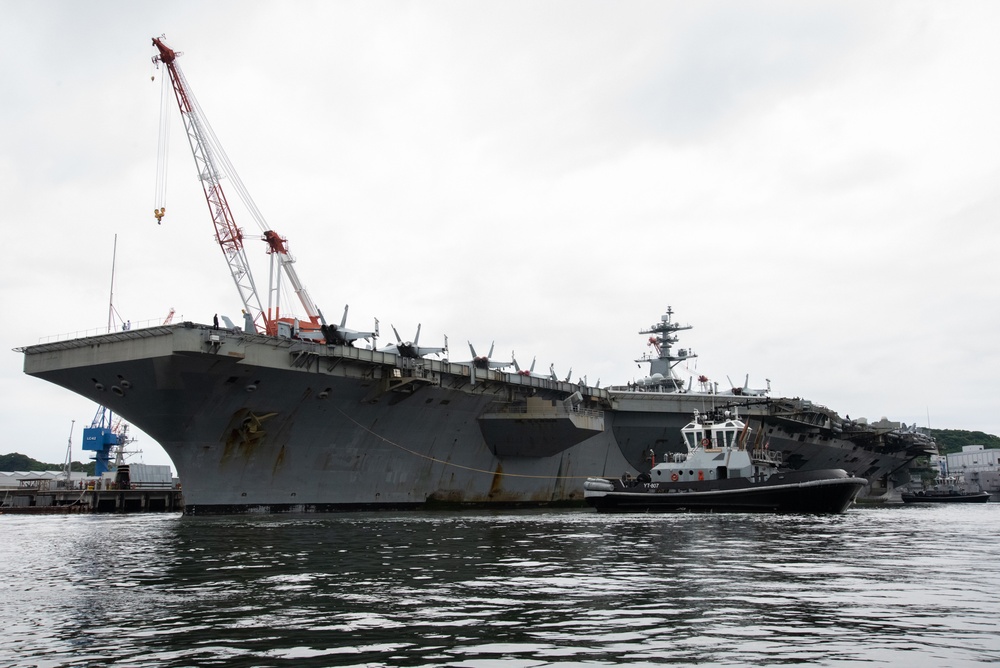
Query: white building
{"type": "Point", "coordinates": [46, 479]}
{"type": "Point", "coordinates": [975, 465]}
{"type": "Point", "coordinates": [974, 458]}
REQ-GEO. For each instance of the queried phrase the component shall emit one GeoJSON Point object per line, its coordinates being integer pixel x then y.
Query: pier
{"type": "Point", "coordinates": [43, 498]}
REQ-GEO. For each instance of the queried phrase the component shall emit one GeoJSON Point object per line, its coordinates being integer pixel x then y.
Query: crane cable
{"type": "Point", "coordinates": [162, 151]}
{"type": "Point", "coordinates": [228, 171]}
{"type": "Point", "coordinates": [214, 147]}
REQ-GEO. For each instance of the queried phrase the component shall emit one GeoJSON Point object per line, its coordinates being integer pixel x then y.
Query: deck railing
{"type": "Point", "coordinates": [97, 331]}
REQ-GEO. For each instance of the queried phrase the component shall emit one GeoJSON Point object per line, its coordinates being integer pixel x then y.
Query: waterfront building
{"type": "Point", "coordinates": [975, 466]}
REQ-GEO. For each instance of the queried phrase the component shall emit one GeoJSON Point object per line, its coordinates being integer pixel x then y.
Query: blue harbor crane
{"type": "Point", "coordinates": [101, 437]}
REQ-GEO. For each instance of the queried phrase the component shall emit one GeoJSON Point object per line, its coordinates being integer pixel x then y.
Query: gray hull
{"type": "Point", "coordinates": [256, 423]}
{"type": "Point", "coordinates": [810, 437]}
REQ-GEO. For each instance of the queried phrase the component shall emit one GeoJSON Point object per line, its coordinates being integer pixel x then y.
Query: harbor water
{"type": "Point", "coordinates": [915, 586]}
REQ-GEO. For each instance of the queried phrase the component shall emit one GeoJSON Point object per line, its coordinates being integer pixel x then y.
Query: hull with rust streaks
{"type": "Point", "coordinates": [261, 424]}
{"type": "Point", "coordinates": [251, 427]}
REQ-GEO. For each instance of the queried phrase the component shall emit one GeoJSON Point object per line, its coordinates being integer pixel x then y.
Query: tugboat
{"type": "Point", "coordinates": [945, 496]}
{"type": "Point", "coordinates": [724, 471]}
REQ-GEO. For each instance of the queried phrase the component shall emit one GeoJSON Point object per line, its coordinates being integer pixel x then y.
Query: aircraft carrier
{"type": "Point", "coordinates": [261, 423]}
{"type": "Point", "coordinates": [288, 415]}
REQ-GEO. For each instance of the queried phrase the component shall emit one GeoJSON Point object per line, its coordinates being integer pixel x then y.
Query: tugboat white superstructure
{"type": "Point", "coordinates": [724, 469]}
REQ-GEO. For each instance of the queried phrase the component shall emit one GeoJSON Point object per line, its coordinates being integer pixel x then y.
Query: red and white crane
{"type": "Point", "coordinates": [208, 157]}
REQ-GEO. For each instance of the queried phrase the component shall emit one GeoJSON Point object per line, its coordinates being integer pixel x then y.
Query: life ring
{"type": "Point", "coordinates": [705, 443]}
{"type": "Point", "coordinates": [673, 476]}
{"type": "Point", "coordinates": [701, 475]}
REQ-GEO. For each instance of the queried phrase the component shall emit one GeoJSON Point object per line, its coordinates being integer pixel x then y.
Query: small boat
{"type": "Point", "coordinates": [723, 471]}
{"type": "Point", "coordinates": [945, 496]}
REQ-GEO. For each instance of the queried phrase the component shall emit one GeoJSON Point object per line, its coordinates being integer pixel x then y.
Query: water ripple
{"type": "Point", "coordinates": [873, 586]}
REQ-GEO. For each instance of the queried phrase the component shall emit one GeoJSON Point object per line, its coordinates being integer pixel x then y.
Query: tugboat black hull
{"type": "Point", "coordinates": [947, 497]}
{"type": "Point", "coordinates": [826, 491]}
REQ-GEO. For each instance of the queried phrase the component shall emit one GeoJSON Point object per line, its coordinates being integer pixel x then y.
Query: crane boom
{"type": "Point", "coordinates": [229, 236]}
{"type": "Point", "coordinates": [207, 155]}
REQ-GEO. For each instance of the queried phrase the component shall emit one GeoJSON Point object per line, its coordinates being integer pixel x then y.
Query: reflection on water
{"type": "Point", "coordinates": [881, 585]}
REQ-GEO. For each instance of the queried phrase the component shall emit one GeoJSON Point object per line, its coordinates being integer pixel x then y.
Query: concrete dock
{"type": "Point", "coordinates": [30, 500]}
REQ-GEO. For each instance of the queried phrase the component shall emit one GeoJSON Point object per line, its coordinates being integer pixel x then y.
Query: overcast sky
{"type": "Point", "coordinates": [812, 186]}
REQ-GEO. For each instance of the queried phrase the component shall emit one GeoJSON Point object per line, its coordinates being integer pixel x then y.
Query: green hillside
{"type": "Point", "coordinates": [15, 461]}
{"type": "Point", "coordinates": [952, 440]}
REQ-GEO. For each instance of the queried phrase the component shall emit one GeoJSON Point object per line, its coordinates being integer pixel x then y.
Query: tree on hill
{"type": "Point", "coordinates": [952, 440]}
{"type": "Point", "coordinates": [15, 461]}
